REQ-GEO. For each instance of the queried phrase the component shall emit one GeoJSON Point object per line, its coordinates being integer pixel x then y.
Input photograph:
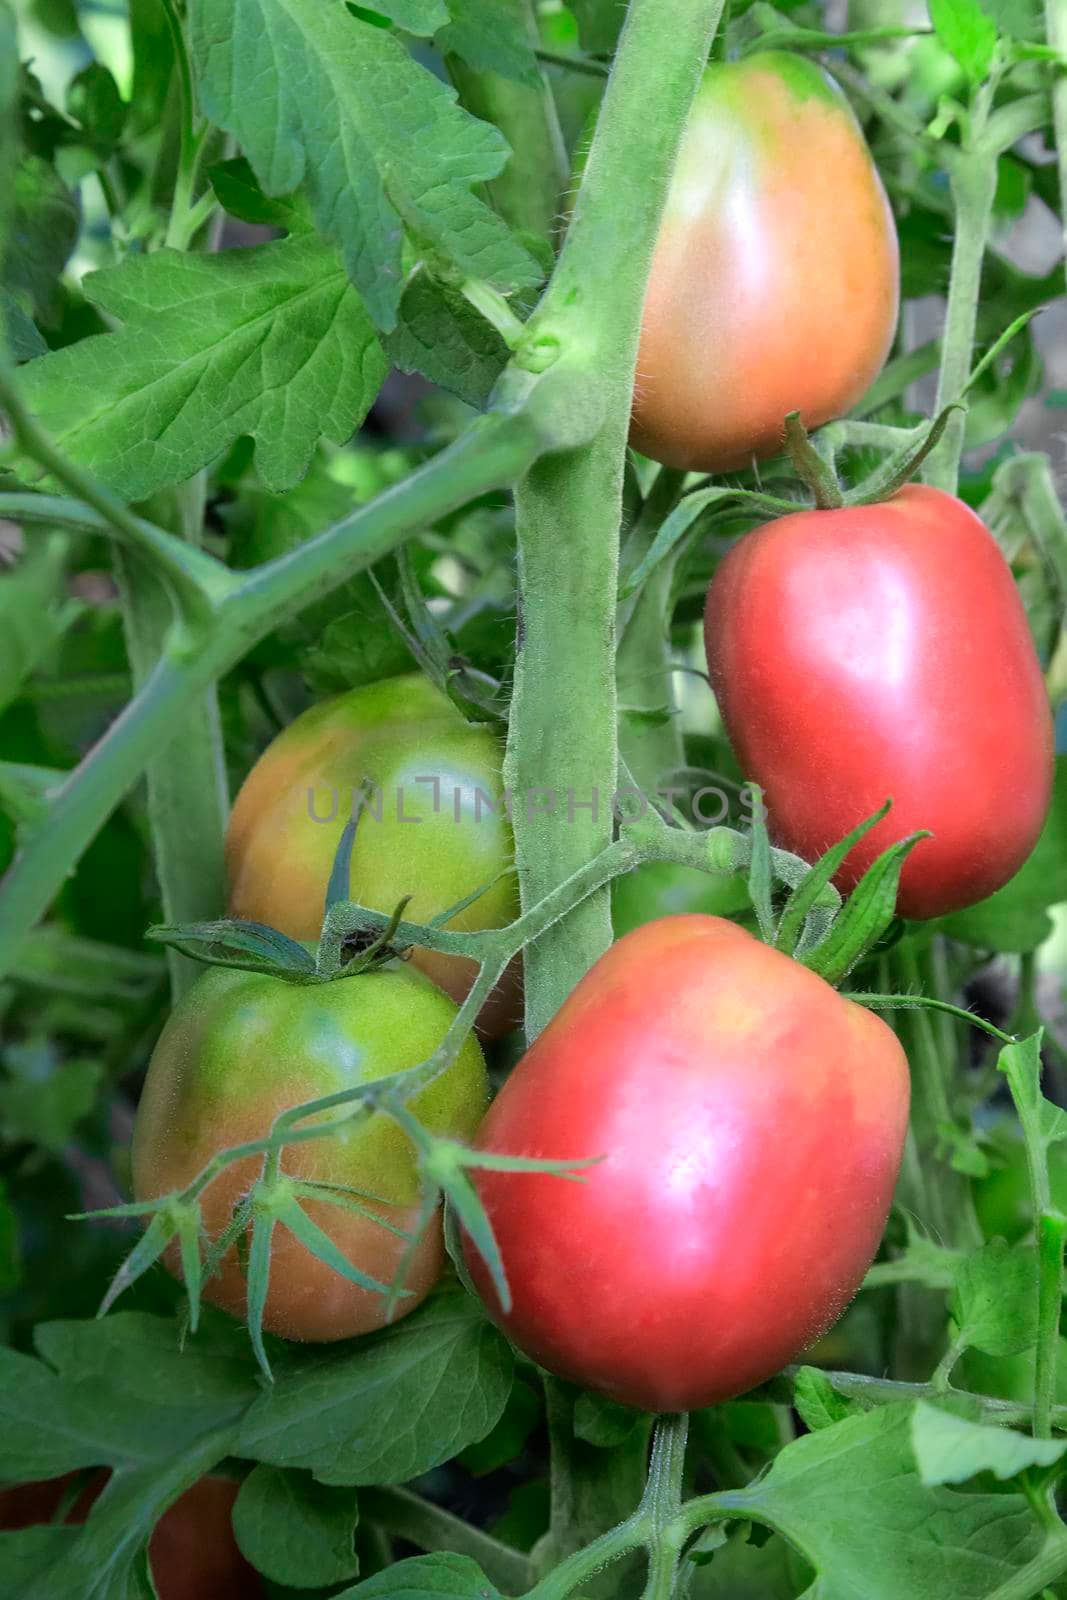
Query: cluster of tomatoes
{"type": "Point", "coordinates": [749, 1120]}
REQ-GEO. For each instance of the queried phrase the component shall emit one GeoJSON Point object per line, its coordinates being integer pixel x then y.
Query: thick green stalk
{"type": "Point", "coordinates": [972, 172]}
{"type": "Point", "coordinates": [527, 192]}
{"type": "Point", "coordinates": [649, 734]}
{"type": "Point", "coordinates": [563, 719]}
{"type": "Point", "coordinates": [188, 799]}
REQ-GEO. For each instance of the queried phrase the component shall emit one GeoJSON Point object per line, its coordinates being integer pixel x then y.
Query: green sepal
{"type": "Point", "coordinates": [290, 1213]}
{"type": "Point", "coordinates": [804, 896]}
{"type": "Point", "coordinates": [760, 876]}
{"type": "Point", "coordinates": [233, 942]}
{"type": "Point", "coordinates": [867, 914]}
{"type": "Point", "coordinates": [901, 468]}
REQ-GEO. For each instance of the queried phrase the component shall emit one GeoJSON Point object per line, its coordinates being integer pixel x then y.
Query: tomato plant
{"type": "Point", "coordinates": [559, 489]}
{"type": "Point", "coordinates": [243, 1048]}
{"type": "Point", "coordinates": [701, 1276]}
{"type": "Point", "coordinates": [775, 274]}
{"type": "Point", "coordinates": [827, 634]}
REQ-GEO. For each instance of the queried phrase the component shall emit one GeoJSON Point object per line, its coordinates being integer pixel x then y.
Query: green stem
{"type": "Point", "coordinates": [527, 192]}
{"type": "Point", "coordinates": [1056, 33]}
{"type": "Point", "coordinates": [188, 797]}
{"type": "Point", "coordinates": [651, 743]}
{"type": "Point", "coordinates": [563, 721]}
{"type": "Point", "coordinates": [1049, 1564]}
{"type": "Point", "coordinates": [487, 457]}
{"type": "Point", "coordinates": [973, 178]}
{"type": "Point", "coordinates": [1051, 1233]}
{"type": "Point", "coordinates": [661, 1504]}
{"type": "Point", "coordinates": [408, 1516]}
{"type": "Point", "coordinates": [495, 309]}
{"type": "Point", "coordinates": [576, 63]}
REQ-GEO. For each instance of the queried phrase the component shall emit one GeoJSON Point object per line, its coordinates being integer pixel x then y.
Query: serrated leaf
{"type": "Point", "coordinates": [440, 1577]}
{"type": "Point", "coordinates": [491, 36]}
{"type": "Point", "coordinates": [317, 96]}
{"type": "Point", "coordinates": [849, 1498]}
{"type": "Point", "coordinates": [439, 334]}
{"type": "Point", "coordinates": [271, 341]}
{"type": "Point", "coordinates": [387, 1408]}
{"type": "Point", "coordinates": [951, 1449]}
{"type": "Point", "coordinates": [995, 1299]}
{"type": "Point", "coordinates": [142, 1354]}
{"type": "Point", "coordinates": [295, 1531]}
{"type": "Point", "coordinates": [817, 1400]}
{"type": "Point", "coordinates": [966, 33]}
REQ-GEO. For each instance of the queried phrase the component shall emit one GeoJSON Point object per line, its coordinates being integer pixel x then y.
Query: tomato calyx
{"type": "Point", "coordinates": [830, 940]}
{"type": "Point", "coordinates": [816, 471]}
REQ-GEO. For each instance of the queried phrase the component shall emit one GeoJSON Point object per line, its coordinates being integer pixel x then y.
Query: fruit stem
{"type": "Point", "coordinates": [810, 467]}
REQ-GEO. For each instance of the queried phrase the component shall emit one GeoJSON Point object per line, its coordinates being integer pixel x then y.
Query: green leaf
{"type": "Point", "coordinates": [439, 334]}
{"type": "Point", "coordinates": [966, 33]}
{"type": "Point", "coordinates": [440, 1577]}
{"type": "Point", "coordinates": [295, 1531]}
{"type": "Point", "coordinates": [237, 192]}
{"type": "Point", "coordinates": [1043, 1122]}
{"type": "Point", "coordinates": [817, 1400]}
{"type": "Point", "coordinates": [491, 36]}
{"type": "Point", "coordinates": [850, 1499]}
{"type": "Point", "coordinates": [423, 17]}
{"type": "Point", "coordinates": [46, 1095]}
{"type": "Point", "coordinates": [144, 1356]}
{"type": "Point", "coordinates": [741, 1570]}
{"type": "Point", "coordinates": [270, 341]}
{"type": "Point", "coordinates": [18, 329]}
{"type": "Point", "coordinates": [1016, 917]}
{"type": "Point", "coordinates": [44, 230]}
{"type": "Point", "coordinates": [315, 95]}
{"type": "Point", "coordinates": [387, 1408]}
{"type": "Point", "coordinates": [603, 1423]}
{"type": "Point", "coordinates": [10, 1263]}
{"type": "Point", "coordinates": [995, 1299]}
{"type": "Point", "coordinates": [599, 23]}
{"type": "Point", "coordinates": [94, 101]}
{"type": "Point", "coordinates": [34, 610]}
{"type": "Point", "coordinates": [951, 1449]}
{"type": "Point", "coordinates": [922, 1261]}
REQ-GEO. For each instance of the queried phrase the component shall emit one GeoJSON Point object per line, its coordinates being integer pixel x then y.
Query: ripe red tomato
{"type": "Point", "coordinates": [242, 1047]}
{"type": "Point", "coordinates": [751, 1123]}
{"type": "Point", "coordinates": [882, 652]}
{"type": "Point", "coordinates": [412, 743]}
{"type": "Point", "coordinates": [192, 1552]}
{"type": "Point", "coordinates": [774, 283]}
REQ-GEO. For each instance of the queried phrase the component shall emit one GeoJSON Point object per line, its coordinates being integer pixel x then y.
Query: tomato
{"type": "Point", "coordinates": [242, 1047]}
{"type": "Point", "coordinates": [882, 652]}
{"type": "Point", "coordinates": [665, 888]}
{"type": "Point", "coordinates": [751, 1124]}
{"type": "Point", "coordinates": [192, 1552]}
{"type": "Point", "coordinates": [774, 282]}
{"type": "Point", "coordinates": [427, 832]}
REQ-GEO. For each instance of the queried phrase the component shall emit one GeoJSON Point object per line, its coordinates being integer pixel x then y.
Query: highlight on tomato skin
{"type": "Point", "coordinates": [882, 652]}
{"type": "Point", "coordinates": [751, 1123]}
{"type": "Point", "coordinates": [193, 1553]}
{"type": "Point", "coordinates": [775, 278]}
{"type": "Point", "coordinates": [414, 838]}
{"type": "Point", "coordinates": [242, 1047]}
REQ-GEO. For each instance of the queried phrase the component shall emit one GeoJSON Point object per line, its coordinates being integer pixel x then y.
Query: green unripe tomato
{"type": "Point", "coordinates": [243, 1047]}
{"type": "Point", "coordinates": [434, 828]}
